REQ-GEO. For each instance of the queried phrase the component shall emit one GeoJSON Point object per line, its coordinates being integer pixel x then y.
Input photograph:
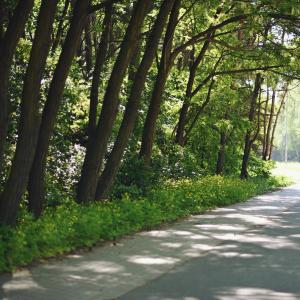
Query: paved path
{"type": "Point", "coordinates": [249, 251]}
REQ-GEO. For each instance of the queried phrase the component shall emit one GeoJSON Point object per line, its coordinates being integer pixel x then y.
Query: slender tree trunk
{"type": "Point", "coordinates": [248, 137]}
{"type": "Point", "coordinates": [100, 61]}
{"type": "Point", "coordinates": [221, 154]}
{"type": "Point", "coordinates": [165, 66]}
{"type": "Point", "coordinates": [36, 186]}
{"type": "Point", "coordinates": [180, 140]}
{"type": "Point", "coordinates": [7, 49]}
{"type": "Point", "coordinates": [29, 120]}
{"type": "Point", "coordinates": [270, 125]}
{"type": "Point", "coordinates": [97, 144]}
{"type": "Point", "coordinates": [2, 19]}
{"type": "Point", "coordinates": [88, 46]}
{"type": "Point", "coordinates": [199, 112]}
{"type": "Point", "coordinates": [131, 112]}
{"type": "Point", "coordinates": [60, 26]}
{"type": "Point", "coordinates": [135, 62]}
{"type": "Point", "coordinates": [265, 120]}
{"type": "Point", "coordinates": [275, 124]}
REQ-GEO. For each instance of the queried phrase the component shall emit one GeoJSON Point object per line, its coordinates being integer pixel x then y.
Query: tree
{"type": "Point", "coordinates": [97, 143]}
{"type": "Point", "coordinates": [29, 120]}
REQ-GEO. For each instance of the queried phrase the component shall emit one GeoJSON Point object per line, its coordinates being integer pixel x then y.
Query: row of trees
{"type": "Point", "coordinates": [91, 90]}
{"type": "Point", "coordinates": [287, 133]}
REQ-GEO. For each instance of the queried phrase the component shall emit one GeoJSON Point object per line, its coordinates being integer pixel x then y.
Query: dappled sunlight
{"type": "Point", "coordinates": [172, 245]}
{"type": "Point", "coordinates": [225, 238]}
{"type": "Point", "coordinates": [248, 293]}
{"type": "Point", "coordinates": [220, 227]}
{"type": "Point", "coordinates": [144, 260]}
{"type": "Point", "coordinates": [23, 284]}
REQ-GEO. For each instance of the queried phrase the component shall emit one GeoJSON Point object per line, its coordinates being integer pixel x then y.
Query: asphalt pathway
{"type": "Point", "coordinates": [249, 251]}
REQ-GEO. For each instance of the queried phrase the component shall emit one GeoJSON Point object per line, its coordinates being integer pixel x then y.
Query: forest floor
{"type": "Point", "coordinates": [246, 251]}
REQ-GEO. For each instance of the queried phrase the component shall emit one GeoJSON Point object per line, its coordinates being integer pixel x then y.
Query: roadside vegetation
{"type": "Point", "coordinates": [71, 226]}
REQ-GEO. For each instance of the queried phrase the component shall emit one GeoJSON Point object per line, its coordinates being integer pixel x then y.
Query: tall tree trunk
{"type": "Point", "coordinates": [36, 186]}
{"type": "Point", "coordinates": [131, 112]}
{"type": "Point", "coordinates": [29, 120]}
{"type": "Point", "coordinates": [276, 122]}
{"type": "Point", "coordinates": [88, 46]}
{"type": "Point", "coordinates": [188, 95]}
{"type": "Point", "coordinates": [135, 62]}
{"type": "Point", "coordinates": [199, 111]}
{"type": "Point", "coordinates": [251, 116]}
{"type": "Point", "coordinates": [100, 61]}
{"type": "Point", "coordinates": [60, 29]}
{"type": "Point", "coordinates": [3, 7]}
{"type": "Point", "coordinates": [97, 144]}
{"type": "Point", "coordinates": [265, 122]}
{"type": "Point", "coordinates": [165, 66]}
{"type": "Point", "coordinates": [7, 49]}
{"type": "Point", "coordinates": [270, 125]}
{"type": "Point", "coordinates": [221, 154]}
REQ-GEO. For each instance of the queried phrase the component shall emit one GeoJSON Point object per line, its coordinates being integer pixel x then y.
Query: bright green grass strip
{"type": "Point", "coordinates": [71, 226]}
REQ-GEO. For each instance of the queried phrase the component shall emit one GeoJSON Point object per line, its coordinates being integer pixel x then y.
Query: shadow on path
{"type": "Point", "coordinates": [226, 254]}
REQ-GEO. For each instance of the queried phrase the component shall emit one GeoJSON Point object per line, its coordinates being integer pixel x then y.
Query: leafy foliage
{"type": "Point", "coordinates": [71, 226]}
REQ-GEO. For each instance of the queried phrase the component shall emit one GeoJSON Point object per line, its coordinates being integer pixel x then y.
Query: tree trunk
{"type": "Point", "coordinates": [265, 124]}
{"type": "Point", "coordinates": [199, 112]}
{"type": "Point", "coordinates": [100, 61]}
{"type": "Point", "coordinates": [3, 7]}
{"type": "Point", "coordinates": [131, 112]}
{"type": "Point", "coordinates": [165, 66]}
{"type": "Point", "coordinates": [29, 120]}
{"type": "Point", "coordinates": [270, 124]}
{"type": "Point", "coordinates": [60, 29]}
{"type": "Point", "coordinates": [221, 154]}
{"type": "Point", "coordinates": [36, 186]}
{"type": "Point", "coordinates": [275, 124]}
{"type": "Point", "coordinates": [88, 46]}
{"type": "Point", "coordinates": [180, 140]}
{"type": "Point", "coordinates": [97, 144]}
{"type": "Point", "coordinates": [7, 49]}
{"type": "Point", "coordinates": [248, 139]}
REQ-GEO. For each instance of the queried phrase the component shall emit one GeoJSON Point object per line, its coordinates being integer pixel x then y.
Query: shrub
{"type": "Point", "coordinates": [69, 226]}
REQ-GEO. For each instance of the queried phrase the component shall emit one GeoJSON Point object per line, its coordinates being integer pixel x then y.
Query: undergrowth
{"type": "Point", "coordinates": [71, 226]}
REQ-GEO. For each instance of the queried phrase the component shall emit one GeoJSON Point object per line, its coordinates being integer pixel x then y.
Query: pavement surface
{"type": "Point", "coordinates": [249, 251]}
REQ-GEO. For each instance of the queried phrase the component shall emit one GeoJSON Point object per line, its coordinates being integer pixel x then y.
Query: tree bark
{"type": "Point", "coordinates": [29, 120]}
{"type": "Point", "coordinates": [60, 26]}
{"type": "Point", "coordinates": [36, 186]}
{"type": "Point", "coordinates": [180, 140]}
{"type": "Point", "coordinates": [2, 18]}
{"type": "Point", "coordinates": [7, 49]}
{"type": "Point", "coordinates": [199, 111]}
{"type": "Point", "coordinates": [88, 46]}
{"type": "Point", "coordinates": [248, 138]}
{"type": "Point", "coordinates": [97, 144]}
{"type": "Point", "coordinates": [265, 120]}
{"type": "Point", "coordinates": [275, 124]}
{"type": "Point", "coordinates": [165, 66]}
{"type": "Point", "coordinates": [270, 125]}
{"type": "Point", "coordinates": [100, 61]}
{"type": "Point", "coordinates": [131, 111]}
{"type": "Point", "coordinates": [221, 154]}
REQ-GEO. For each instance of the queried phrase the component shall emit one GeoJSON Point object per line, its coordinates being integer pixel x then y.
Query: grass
{"type": "Point", "coordinates": [70, 226]}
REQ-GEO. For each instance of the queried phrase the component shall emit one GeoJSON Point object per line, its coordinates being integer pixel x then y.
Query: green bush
{"type": "Point", "coordinates": [70, 226]}
{"type": "Point", "coordinates": [259, 167]}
